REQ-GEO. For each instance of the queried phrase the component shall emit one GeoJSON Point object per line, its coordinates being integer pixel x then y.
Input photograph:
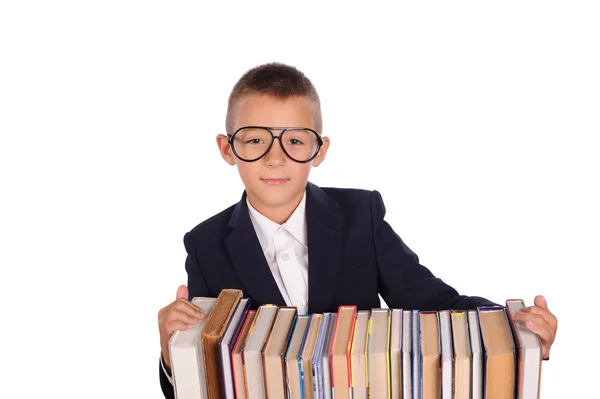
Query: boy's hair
{"type": "Point", "coordinates": [276, 80]}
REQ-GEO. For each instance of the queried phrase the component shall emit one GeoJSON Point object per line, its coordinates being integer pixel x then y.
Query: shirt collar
{"type": "Point", "coordinates": [266, 228]}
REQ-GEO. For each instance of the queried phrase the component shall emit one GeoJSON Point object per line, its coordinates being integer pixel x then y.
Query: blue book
{"type": "Point", "coordinates": [317, 358]}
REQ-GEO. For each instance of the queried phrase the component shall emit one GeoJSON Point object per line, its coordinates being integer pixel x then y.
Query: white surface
{"type": "Point", "coordinates": [477, 121]}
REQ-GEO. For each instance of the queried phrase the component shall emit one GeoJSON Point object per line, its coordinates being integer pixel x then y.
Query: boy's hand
{"type": "Point", "coordinates": [178, 315]}
{"type": "Point", "coordinates": [541, 321]}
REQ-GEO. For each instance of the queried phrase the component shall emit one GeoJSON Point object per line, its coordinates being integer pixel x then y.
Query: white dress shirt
{"type": "Point", "coordinates": [286, 251]}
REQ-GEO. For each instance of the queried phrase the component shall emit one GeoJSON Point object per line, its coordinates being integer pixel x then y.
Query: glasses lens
{"type": "Point", "coordinates": [300, 144]}
{"type": "Point", "coordinates": [251, 143]}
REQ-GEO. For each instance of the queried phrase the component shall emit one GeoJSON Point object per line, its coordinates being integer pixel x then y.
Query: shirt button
{"type": "Point", "coordinates": [285, 257]}
{"type": "Point", "coordinates": [302, 303]}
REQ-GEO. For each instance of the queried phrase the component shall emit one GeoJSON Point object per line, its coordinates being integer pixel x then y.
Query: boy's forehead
{"type": "Point", "coordinates": [264, 110]}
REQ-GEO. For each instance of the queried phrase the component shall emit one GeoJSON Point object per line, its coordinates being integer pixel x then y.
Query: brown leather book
{"type": "Point", "coordinates": [499, 353]}
{"type": "Point", "coordinates": [212, 333]}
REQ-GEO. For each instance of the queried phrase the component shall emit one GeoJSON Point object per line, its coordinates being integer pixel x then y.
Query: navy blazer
{"type": "Point", "coordinates": [354, 256]}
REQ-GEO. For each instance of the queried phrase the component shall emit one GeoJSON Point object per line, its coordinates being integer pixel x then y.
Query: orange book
{"type": "Point", "coordinates": [340, 351]}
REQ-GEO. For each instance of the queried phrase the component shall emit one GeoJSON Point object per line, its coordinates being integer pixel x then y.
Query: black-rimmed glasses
{"type": "Point", "coordinates": [251, 143]}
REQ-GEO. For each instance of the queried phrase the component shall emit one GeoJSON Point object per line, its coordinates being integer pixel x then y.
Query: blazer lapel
{"type": "Point", "coordinates": [324, 232]}
{"type": "Point", "coordinates": [249, 260]}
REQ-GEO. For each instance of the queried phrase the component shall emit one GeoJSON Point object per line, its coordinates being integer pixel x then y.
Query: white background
{"type": "Point", "coordinates": [478, 123]}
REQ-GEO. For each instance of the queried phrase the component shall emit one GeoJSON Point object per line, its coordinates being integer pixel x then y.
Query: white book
{"type": "Point", "coordinates": [396, 354]}
{"type": "Point", "coordinates": [477, 353]}
{"type": "Point", "coordinates": [529, 354]}
{"type": "Point", "coordinates": [406, 354]}
{"type": "Point", "coordinates": [447, 354]}
{"type": "Point", "coordinates": [378, 354]}
{"type": "Point", "coordinates": [185, 352]}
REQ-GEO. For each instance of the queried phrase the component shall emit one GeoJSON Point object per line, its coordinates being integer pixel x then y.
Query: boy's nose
{"type": "Point", "coordinates": [275, 155]}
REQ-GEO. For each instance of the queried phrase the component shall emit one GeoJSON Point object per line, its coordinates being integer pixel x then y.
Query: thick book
{"type": "Point", "coordinates": [378, 354]}
{"type": "Point", "coordinates": [529, 354]}
{"type": "Point", "coordinates": [227, 342]}
{"type": "Point", "coordinates": [274, 352]}
{"type": "Point", "coordinates": [499, 353]}
{"type": "Point", "coordinates": [340, 351]}
{"type": "Point", "coordinates": [430, 354]}
{"type": "Point", "coordinates": [212, 333]}
{"type": "Point", "coordinates": [185, 351]}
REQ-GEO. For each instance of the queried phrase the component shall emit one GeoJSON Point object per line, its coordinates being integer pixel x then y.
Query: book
{"type": "Point", "coordinates": [306, 356]}
{"type": "Point", "coordinates": [499, 353]}
{"type": "Point", "coordinates": [430, 354]}
{"type": "Point", "coordinates": [252, 353]}
{"type": "Point", "coordinates": [212, 333]}
{"type": "Point", "coordinates": [378, 354]}
{"type": "Point", "coordinates": [406, 354]}
{"type": "Point", "coordinates": [226, 345]}
{"type": "Point", "coordinates": [416, 355]}
{"type": "Point", "coordinates": [462, 355]}
{"type": "Point", "coordinates": [185, 352]}
{"type": "Point", "coordinates": [358, 350]}
{"type": "Point", "coordinates": [326, 360]}
{"type": "Point", "coordinates": [477, 355]}
{"type": "Point", "coordinates": [274, 352]}
{"type": "Point", "coordinates": [340, 351]}
{"type": "Point", "coordinates": [529, 354]}
{"type": "Point", "coordinates": [447, 354]}
{"type": "Point", "coordinates": [292, 372]}
{"type": "Point", "coordinates": [237, 361]}
{"type": "Point", "coordinates": [317, 371]}
{"type": "Point", "coordinates": [396, 354]}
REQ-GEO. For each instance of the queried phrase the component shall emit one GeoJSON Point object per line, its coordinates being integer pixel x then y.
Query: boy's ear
{"type": "Point", "coordinates": [225, 149]}
{"type": "Point", "coordinates": [322, 152]}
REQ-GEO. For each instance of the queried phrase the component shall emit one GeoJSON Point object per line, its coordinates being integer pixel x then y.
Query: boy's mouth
{"type": "Point", "coordinates": [275, 182]}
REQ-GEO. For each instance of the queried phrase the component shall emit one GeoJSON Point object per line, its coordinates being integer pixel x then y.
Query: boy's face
{"type": "Point", "coordinates": [275, 180]}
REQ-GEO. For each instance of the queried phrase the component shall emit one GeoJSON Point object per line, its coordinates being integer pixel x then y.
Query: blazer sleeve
{"type": "Point", "coordinates": [403, 282]}
{"type": "Point", "coordinates": [196, 288]}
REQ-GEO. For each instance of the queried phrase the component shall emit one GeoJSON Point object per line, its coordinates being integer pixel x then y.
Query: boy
{"type": "Point", "coordinates": [289, 242]}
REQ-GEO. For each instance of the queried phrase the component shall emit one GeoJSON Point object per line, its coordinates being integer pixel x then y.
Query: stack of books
{"type": "Point", "coordinates": [274, 352]}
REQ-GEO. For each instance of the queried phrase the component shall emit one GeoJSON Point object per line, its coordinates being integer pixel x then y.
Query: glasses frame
{"type": "Point", "coordinates": [273, 137]}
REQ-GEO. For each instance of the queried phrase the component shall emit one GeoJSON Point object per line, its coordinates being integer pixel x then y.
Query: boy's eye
{"type": "Point", "coordinates": [294, 141]}
{"type": "Point", "coordinates": [254, 141]}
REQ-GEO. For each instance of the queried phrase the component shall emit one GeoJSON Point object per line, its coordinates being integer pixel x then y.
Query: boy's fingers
{"type": "Point", "coordinates": [176, 325]}
{"type": "Point", "coordinates": [182, 292]}
{"type": "Point", "coordinates": [540, 302]}
{"type": "Point", "coordinates": [177, 314]}
{"type": "Point", "coordinates": [189, 308]}
{"type": "Point", "coordinates": [549, 317]}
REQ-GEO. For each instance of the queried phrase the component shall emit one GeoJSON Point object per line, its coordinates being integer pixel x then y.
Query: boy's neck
{"type": "Point", "coordinates": [279, 214]}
